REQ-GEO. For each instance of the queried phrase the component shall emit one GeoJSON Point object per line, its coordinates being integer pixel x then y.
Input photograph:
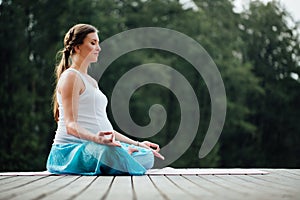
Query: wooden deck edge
{"type": "Point", "coordinates": [168, 171]}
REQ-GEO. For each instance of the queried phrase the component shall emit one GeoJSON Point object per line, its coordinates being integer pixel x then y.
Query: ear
{"type": "Point", "coordinates": [77, 49]}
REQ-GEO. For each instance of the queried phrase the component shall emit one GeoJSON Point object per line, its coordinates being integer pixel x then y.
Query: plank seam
{"type": "Point", "coordinates": [159, 190]}
{"type": "Point", "coordinates": [85, 188]}
{"type": "Point", "coordinates": [198, 185]}
{"type": "Point", "coordinates": [220, 185]}
{"type": "Point", "coordinates": [134, 197]}
{"type": "Point", "coordinates": [179, 187]}
{"type": "Point", "coordinates": [108, 189]}
{"type": "Point", "coordinates": [29, 190]}
{"type": "Point", "coordinates": [18, 186]}
{"type": "Point", "coordinates": [45, 194]}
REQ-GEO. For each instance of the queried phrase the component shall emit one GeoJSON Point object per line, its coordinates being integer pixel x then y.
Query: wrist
{"type": "Point", "coordinates": [93, 138]}
{"type": "Point", "coordinates": [137, 143]}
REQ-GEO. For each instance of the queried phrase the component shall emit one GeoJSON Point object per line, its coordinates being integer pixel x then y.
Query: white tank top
{"type": "Point", "coordinates": [91, 112]}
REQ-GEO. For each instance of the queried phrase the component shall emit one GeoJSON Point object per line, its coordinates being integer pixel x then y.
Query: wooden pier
{"type": "Point", "coordinates": [271, 184]}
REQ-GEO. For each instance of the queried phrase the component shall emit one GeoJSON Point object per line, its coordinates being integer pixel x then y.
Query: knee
{"type": "Point", "coordinates": [146, 159]}
{"type": "Point", "coordinates": [149, 162]}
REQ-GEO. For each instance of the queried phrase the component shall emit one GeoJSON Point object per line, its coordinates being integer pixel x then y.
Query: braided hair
{"type": "Point", "coordinates": [73, 38]}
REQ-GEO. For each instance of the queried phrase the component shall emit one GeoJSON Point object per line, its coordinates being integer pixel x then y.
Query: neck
{"type": "Point", "coordinates": [80, 66]}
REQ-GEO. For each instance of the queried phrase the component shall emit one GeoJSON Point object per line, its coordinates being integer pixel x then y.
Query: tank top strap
{"type": "Point", "coordinates": [81, 76]}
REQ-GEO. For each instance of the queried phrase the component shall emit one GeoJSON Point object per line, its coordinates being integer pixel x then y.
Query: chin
{"type": "Point", "coordinates": [94, 60]}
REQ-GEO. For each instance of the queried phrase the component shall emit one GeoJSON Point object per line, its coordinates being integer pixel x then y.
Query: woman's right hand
{"type": "Point", "coordinates": [107, 138]}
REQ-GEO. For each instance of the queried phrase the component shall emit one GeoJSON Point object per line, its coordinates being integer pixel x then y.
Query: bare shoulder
{"type": "Point", "coordinates": [70, 81]}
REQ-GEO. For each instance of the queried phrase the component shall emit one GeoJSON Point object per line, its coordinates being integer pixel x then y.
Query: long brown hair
{"type": "Point", "coordinates": [73, 37]}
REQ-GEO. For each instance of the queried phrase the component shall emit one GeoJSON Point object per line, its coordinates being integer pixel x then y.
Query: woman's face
{"type": "Point", "coordinates": [90, 49]}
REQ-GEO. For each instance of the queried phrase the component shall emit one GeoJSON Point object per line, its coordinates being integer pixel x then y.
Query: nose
{"type": "Point", "coordinates": [98, 48]}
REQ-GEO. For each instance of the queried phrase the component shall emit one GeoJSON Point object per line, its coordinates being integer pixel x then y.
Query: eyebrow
{"type": "Point", "coordinates": [94, 40]}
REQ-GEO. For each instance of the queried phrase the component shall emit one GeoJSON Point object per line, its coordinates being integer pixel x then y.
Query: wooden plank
{"type": "Point", "coordinates": [47, 189]}
{"type": "Point", "coordinates": [224, 187]}
{"type": "Point", "coordinates": [294, 172]}
{"type": "Point", "coordinates": [168, 189]}
{"type": "Point", "coordinates": [218, 190]}
{"type": "Point", "coordinates": [13, 193]}
{"type": "Point", "coordinates": [16, 182]}
{"type": "Point", "coordinates": [275, 191]}
{"type": "Point", "coordinates": [239, 183]}
{"type": "Point", "coordinates": [9, 180]}
{"type": "Point", "coordinates": [201, 183]}
{"type": "Point", "coordinates": [121, 188]}
{"type": "Point", "coordinates": [297, 171]}
{"type": "Point", "coordinates": [288, 174]}
{"type": "Point", "coordinates": [204, 171]}
{"type": "Point", "coordinates": [252, 190]}
{"type": "Point", "coordinates": [282, 180]}
{"type": "Point", "coordinates": [278, 184]}
{"type": "Point", "coordinates": [191, 188]}
{"type": "Point", "coordinates": [98, 189]}
{"type": "Point", "coordinates": [287, 186]}
{"type": "Point", "coordinates": [5, 177]}
{"type": "Point", "coordinates": [71, 190]}
{"type": "Point", "coordinates": [249, 187]}
{"type": "Point", "coordinates": [145, 189]}
{"type": "Point", "coordinates": [38, 173]}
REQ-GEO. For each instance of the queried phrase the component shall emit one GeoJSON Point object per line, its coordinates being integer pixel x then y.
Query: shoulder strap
{"type": "Point", "coordinates": [81, 76]}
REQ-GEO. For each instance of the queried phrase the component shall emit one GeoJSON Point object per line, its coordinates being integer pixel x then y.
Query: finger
{"type": "Point", "coordinates": [100, 133]}
{"type": "Point", "coordinates": [113, 138]}
{"type": "Point", "coordinates": [148, 144]}
{"type": "Point", "coordinates": [144, 146]}
{"type": "Point", "coordinates": [153, 145]}
{"type": "Point", "coordinates": [104, 133]}
{"type": "Point", "coordinates": [156, 146]}
{"type": "Point", "coordinates": [107, 133]}
{"type": "Point", "coordinates": [111, 143]}
{"type": "Point", "coordinates": [156, 154]}
{"type": "Point", "coordinates": [157, 149]}
{"type": "Point", "coordinates": [116, 143]}
{"type": "Point", "coordinates": [106, 141]}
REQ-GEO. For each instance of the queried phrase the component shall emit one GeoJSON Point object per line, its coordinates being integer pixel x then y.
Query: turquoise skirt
{"type": "Point", "coordinates": [90, 158]}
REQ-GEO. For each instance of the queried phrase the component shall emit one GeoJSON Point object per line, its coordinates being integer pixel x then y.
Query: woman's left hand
{"type": "Point", "coordinates": [149, 145]}
{"type": "Point", "coordinates": [154, 148]}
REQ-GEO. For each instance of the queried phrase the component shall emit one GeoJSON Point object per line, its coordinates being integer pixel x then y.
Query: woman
{"type": "Point", "coordinates": [85, 142]}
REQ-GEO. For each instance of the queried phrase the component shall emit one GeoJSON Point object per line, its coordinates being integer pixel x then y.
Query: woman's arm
{"type": "Point", "coordinates": [70, 87]}
{"type": "Point", "coordinates": [145, 144]}
{"type": "Point", "coordinates": [125, 139]}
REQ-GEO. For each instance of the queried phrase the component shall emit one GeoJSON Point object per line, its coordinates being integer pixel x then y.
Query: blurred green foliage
{"type": "Point", "coordinates": [256, 51]}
